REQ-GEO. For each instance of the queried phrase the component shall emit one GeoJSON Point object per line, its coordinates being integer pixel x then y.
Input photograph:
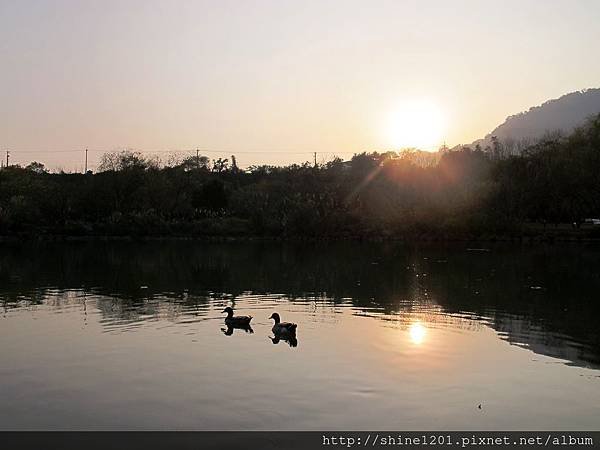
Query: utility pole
{"type": "Point", "coordinates": [86, 152]}
{"type": "Point", "coordinates": [315, 157]}
{"type": "Point", "coordinates": [197, 159]}
{"type": "Point", "coordinates": [7, 156]}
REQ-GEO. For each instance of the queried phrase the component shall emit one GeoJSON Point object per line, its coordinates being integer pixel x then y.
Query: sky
{"type": "Point", "coordinates": [274, 81]}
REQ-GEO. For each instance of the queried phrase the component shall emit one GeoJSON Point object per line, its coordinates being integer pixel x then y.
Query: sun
{"type": "Point", "coordinates": [417, 124]}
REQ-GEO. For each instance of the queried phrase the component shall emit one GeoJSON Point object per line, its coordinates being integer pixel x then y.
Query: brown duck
{"type": "Point", "coordinates": [282, 328]}
{"type": "Point", "coordinates": [236, 321]}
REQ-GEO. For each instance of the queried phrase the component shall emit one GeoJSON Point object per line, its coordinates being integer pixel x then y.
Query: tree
{"type": "Point", "coordinates": [220, 165]}
{"type": "Point", "coordinates": [212, 196]}
{"type": "Point", "coordinates": [195, 163]}
{"type": "Point", "coordinates": [234, 166]}
{"type": "Point", "coordinates": [36, 167]}
{"type": "Point", "coordinates": [125, 160]}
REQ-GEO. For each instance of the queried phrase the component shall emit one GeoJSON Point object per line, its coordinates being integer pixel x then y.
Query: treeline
{"type": "Point", "coordinates": [469, 193]}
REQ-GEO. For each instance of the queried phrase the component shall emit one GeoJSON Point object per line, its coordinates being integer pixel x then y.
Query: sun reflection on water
{"type": "Point", "coordinates": [417, 333]}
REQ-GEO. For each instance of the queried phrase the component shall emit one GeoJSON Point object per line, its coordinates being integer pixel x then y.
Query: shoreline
{"type": "Point", "coordinates": [525, 239]}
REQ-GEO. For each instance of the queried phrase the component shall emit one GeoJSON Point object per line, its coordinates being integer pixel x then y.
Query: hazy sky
{"type": "Point", "coordinates": [284, 77]}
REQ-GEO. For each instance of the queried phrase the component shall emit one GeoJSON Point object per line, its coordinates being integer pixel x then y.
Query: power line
{"type": "Point", "coordinates": [201, 150]}
{"type": "Point", "coordinates": [267, 155]}
{"type": "Point", "coordinates": [46, 151]}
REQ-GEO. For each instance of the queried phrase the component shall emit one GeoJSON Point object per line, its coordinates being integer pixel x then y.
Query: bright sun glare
{"type": "Point", "coordinates": [417, 333]}
{"type": "Point", "coordinates": [416, 123]}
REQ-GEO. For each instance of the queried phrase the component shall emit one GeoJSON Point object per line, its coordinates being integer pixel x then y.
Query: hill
{"type": "Point", "coordinates": [559, 115]}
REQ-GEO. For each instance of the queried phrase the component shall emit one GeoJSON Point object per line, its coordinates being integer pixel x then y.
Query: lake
{"type": "Point", "coordinates": [130, 335]}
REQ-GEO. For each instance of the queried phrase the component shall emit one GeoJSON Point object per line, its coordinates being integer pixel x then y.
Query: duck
{"type": "Point", "coordinates": [236, 321]}
{"type": "Point", "coordinates": [280, 327]}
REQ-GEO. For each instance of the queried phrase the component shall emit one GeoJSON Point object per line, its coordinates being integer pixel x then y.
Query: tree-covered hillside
{"type": "Point", "coordinates": [558, 116]}
{"type": "Point", "coordinates": [468, 193]}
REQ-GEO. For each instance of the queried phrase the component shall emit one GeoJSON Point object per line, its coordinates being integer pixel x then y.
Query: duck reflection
{"type": "Point", "coordinates": [291, 340]}
{"type": "Point", "coordinates": [230, 327]}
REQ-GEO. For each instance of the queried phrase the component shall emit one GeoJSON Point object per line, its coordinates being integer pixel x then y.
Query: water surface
{"type": "Point", "coordinates": [121, 335]}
